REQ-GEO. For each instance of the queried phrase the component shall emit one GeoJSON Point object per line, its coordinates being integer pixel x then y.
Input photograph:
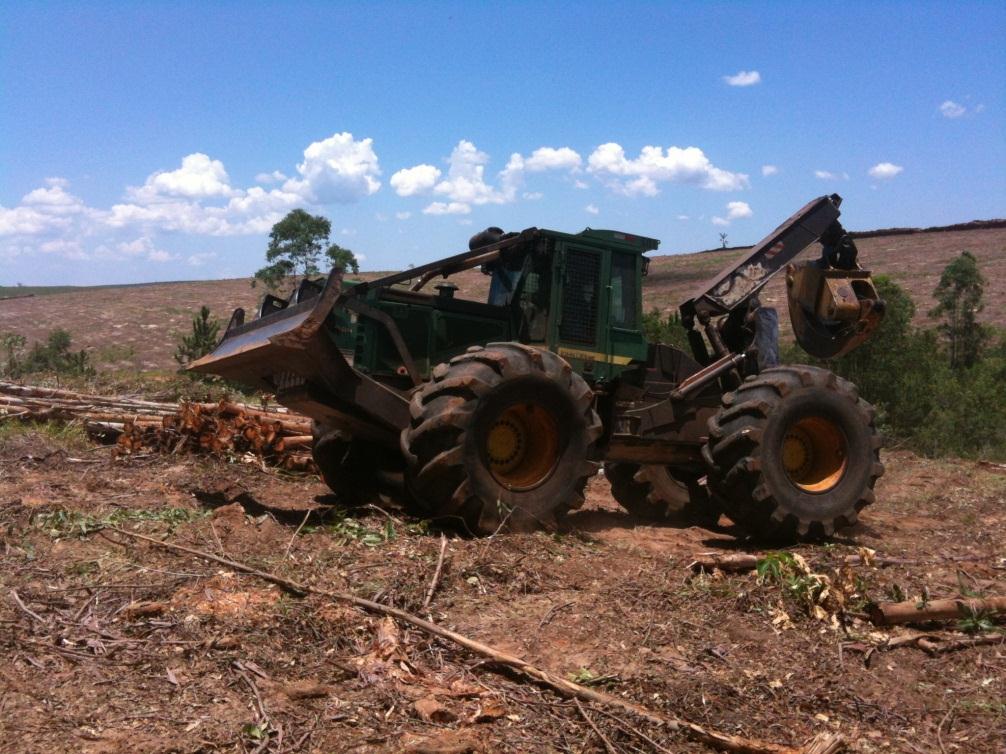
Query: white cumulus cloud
{"type": "Point", "coordinates": [951, 109]}
{"type": "Point", "coordinates": [447, 208]}
{"type": "Point", "coordinates": [885, 170]}
{"type": "Point", "coordinates": [144, 247]}
{"type": "Point", "coordinates": [200, 258]}
{"type": "Point", "coordinates": [338, 169]}
{"type": "Point", "coordinates": [198, 177]}
{"type": "Point", "coordinates": [827, 175]}
{"type": "Point", "coordinates": [591, 209]}
{"type": "Point", "coordinates": [769, 170]}
{"type": "Point", "coordinates": [416, 180]}
{"type": "Point", "coordinates": [68, 249]}
{"type": "Point", "coordinates": [467, 182]}
{"type": "Point", "coordinates": [47, 209]}
{"type": "Point", "coordinates": [403, 215]}
{"type": "Point", "coordinates": [549, 158]}
{"type": "Point", "coordinates": [743, 78]}
{"type": "Point", "coordinates": [640, 175]}
{"type": "Point", "coordinates": [276, 176]}
{"type": "Point", "coordinates": [735, 211]}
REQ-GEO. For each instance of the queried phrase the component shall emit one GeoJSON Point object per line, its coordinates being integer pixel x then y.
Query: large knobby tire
{"type": "Point", "coordinates": [501, 437]}
{"type": "Point", "coordinates": [352, 468]}
{"type": "Point", "coordinates": [793, 453]}
{"type": "Point", "coordinates": [657, 493]}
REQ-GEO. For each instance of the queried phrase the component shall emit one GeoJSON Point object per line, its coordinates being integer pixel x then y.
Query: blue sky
{"type": "Point", "coordinates": [160, 141]}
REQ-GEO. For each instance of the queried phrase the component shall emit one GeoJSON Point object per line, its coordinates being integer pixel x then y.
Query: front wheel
{"type": "Point", "coordinates": [793, 453]}
{"type": "Point", "coordinates": [501, 437]}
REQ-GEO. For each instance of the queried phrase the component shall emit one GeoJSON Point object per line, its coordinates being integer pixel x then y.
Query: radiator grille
{"type": "Point", "coordinates": [579, 297]}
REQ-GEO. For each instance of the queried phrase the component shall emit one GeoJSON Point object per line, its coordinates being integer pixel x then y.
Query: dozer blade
{"type": "Point", "coordinates": [253, 353]}
{"type": "Point", "coordinates": [290, 352]}
{"type": "Point", "coordinates": [832, 310]}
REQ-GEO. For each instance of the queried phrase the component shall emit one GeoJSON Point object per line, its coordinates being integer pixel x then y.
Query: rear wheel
{"type": "Point", "coordinates": [657, 493]}
{"type": "Point", "coordinates": [501, 437]}
{"type": "Point", "coordinates": [793, 453]}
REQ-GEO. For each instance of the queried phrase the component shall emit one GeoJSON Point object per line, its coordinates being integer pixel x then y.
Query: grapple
{"type": "Point", "coordinates": [832, 310]}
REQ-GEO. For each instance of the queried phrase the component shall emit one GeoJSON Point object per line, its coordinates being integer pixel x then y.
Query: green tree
{"type": "Point", "coordinates": [959, 300]}
{"type": "Point", "coordinates": [342, 259]}
{"type": "Point", "coordinates": [296, 246]}
{"type": "Point", "coordinates": [201, 340]}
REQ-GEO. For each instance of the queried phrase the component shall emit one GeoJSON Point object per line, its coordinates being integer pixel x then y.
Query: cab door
{"type": "Point", "coordinates": [624, 339]}
{"type": "Point", "coordinates": [578, 335]}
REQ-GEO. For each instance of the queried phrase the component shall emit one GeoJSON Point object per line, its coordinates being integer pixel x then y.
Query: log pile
{"type": "Point", "coordinates": [271, 435]}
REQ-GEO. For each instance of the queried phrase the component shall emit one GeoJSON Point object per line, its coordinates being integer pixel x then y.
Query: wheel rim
{"type": "Point", "coordinates": [522, 446]}
{"type": "Point", "coordinates": [815, 454]}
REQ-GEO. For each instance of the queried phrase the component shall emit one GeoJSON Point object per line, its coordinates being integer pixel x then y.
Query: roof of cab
{"type": "Point", "coordinates": [638, 243]}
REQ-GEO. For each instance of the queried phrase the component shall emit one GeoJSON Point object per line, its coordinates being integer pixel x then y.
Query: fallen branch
{"type": "Point", "coordinates": [593, 726]}
{"type": "Point", "coordinates": [932, 644]}
{"type": "Point", "coordinates": [564, 687]}
{"type": "Point", "coordinates": [893, 613]}
{"type": "Point", "coordinates": [436, 573]}
{"type": "Point", "coordinates": [732, 562]}
{"type": "Point", "coordinates": [740, 562]}
{"type": "Point", "coordinates": [26, 609]}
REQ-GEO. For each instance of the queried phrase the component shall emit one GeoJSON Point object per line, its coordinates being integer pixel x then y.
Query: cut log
{"type": "Point", "coordinates": [138, 425]}
{"type": "Point", "coordinates": [893, 613]}
{"type": "Point", "coordinates": [295, 441]}
{"type": "Point", "coordinates": [733, 562]}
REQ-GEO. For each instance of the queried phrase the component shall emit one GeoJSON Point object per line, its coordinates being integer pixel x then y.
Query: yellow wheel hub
{"type": "Point", "coordinates": [506, 444]}
{"type": "Point", "coordinates": [522, 445]}
{"type": "Point", "coordinates": [815, 454]}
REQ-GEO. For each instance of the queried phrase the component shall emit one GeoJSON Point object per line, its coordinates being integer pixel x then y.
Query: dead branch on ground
{"type": "Point", "coordinates": [893, 613]}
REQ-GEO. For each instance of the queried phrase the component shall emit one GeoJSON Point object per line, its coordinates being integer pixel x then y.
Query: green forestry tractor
{"type": "Point", "coordinates": [496, 413]}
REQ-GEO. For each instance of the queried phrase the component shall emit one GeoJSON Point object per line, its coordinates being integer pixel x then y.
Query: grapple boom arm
{"type": "Point", "coordinates": [832, 301]}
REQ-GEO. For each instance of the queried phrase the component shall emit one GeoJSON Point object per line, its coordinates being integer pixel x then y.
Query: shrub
{"type": "Point", "coordinates": [669, 330]}
{"type": "Point", "coordinates": [52, 356]}
{"type": "Point", "coordinates": [201, 340]}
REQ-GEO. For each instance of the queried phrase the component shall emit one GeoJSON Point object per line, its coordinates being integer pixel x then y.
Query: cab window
{"type": "Point", "coordinates": [624, 291]}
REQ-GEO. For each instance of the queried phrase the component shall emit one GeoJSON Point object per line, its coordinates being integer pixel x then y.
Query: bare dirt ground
{"type": "Point", "coordinates": [113, 645]}
{"type": "Point", "coordinates": [137, 327]}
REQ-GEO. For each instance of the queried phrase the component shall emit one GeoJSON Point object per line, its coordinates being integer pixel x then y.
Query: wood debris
{"type": "Point", "coordinates": [263, 435]}
{"type": "Point", "coordinates": [893, 613]}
